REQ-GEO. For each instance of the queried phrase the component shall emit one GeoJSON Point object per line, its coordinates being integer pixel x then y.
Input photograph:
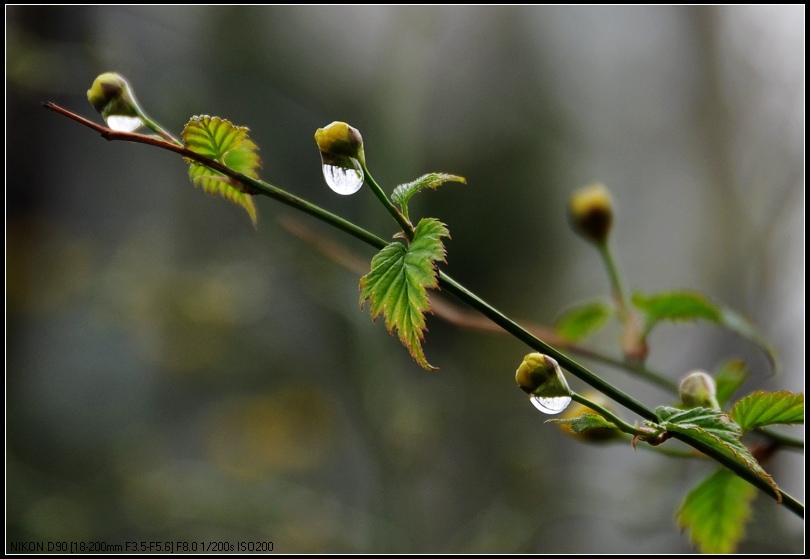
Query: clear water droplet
{"type": "Point", "coordinates": [344, 180]}
{"type": "Point", "coordinates": [551, 406]}
{"type": "Point", "coordinates": [124, 123]}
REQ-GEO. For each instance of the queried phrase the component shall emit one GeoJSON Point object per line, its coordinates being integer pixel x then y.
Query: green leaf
{"type": "Point", "coordinates": [768, 408]}
{"type": "Point", "coordinates": [682, 306]}
{"type": "Point", "coordinates": [716, 510]}
{"type": "Point", "coordinates": [585, 422]}
{"type": "Point", "coordinates": [229, 145]}
{"type": "Point", "coordinates": [715, 428]}
{"type": "Point", "coordinates": [675, 306]}
{"type": "Point", "coordinates": [729, 376]}
{"type": "Point", "coordinates": [398, 281]}
{"type": "Point", "coordinates": [579, 322]}
{"type": "Point", "coordinates": [403, 192]}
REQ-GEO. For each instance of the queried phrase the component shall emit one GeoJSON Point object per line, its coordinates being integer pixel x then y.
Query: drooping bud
{"type": "Point", "coordinates": [112, 96]}
{"type": "Point", "coordinates": [342, 155]}
{"type": "Point", "coordinates": [698, 389]}
{"type": "Point", "coordinates": [590, 211]}
{"type": "Point", "coordinates": [339, 140]}
{"type": "Point", "coordinates": [540, 377]}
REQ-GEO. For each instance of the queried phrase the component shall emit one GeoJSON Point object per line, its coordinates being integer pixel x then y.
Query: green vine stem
{"type": "Point", "coordinates": [461, 318]}
{"type": "Point", "coordinates": [622, 425]}
{"type": "Point", "coordinates": [159, 130]}
{"type": "Point", "coordinates": [616, 286]}
{"type": "Point", "coordinates": [402, 221]}
{"type": "Point", "coordinates": [255, 186]}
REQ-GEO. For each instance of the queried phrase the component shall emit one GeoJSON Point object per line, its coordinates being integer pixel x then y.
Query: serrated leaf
{"type": "Point", "coordinates": [681, 306]}
{"type": "Point", "coordinates": [729, 376]}
{"type": "Point", "coordinates": [585, 422]}
{"type": "Point", "coordinates": [402, 194]}
{"type": "Point", "coordinates": [229, 145]}
{"type": "Point", "coordinates": [398, 282]}
{"type": "Point", "coordinates": [581, 321]}
{"type": "Point", "coordinates": [716, 510]}
{"type": "Point", "coordinates": [768, 408]}
{"type": "Point", "coordinates": [715, 428]}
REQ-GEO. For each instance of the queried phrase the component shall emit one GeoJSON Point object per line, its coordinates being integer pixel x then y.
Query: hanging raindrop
{"type": "Point", "coordinates": [344, 179]}
{"type": "Point", "coordinates": [551, 406]}
{"type": "Point", "coordinates": [121, 123]}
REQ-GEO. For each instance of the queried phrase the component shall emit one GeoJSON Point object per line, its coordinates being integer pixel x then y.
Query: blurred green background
{"type": "Point", "coordinates": [174, 374]}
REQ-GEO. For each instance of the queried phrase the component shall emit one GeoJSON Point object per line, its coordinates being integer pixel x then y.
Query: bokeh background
{"type": "Point", "coordinates": [175, 374]}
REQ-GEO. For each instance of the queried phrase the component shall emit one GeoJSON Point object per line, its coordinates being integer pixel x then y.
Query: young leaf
{"type": "Point", "coordinates": [398, 281]}
{"type": "Point", "coordinates": [714, 428]}
{"type": "Point", "coordinates": [716, 510]}
{"type": "Point", "coordinates": [403, 192]}
{"type": "Point", "coordinates": [729, 376]}
{"type": "Point", "coordinates": [768, 408]}
{"type": "Point", "coordinates": [227, 144]}
{"type": "Point", "coordinates": [690, 306]}
{"type": "Point", "coordinates": [584, 422]}
{"type": "Point", "coordinates": [579, 322]}
{"type": "Point", "coordinates": [675, 306]}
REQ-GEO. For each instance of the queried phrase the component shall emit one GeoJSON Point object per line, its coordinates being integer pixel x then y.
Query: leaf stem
{"type": "Point", "coordinates": [159, 130]}
{"type": "Point", "coordinates": [401, 220]}
{"type": "Point", "coordinates": [615, 278]}
{"type": "Point", "coordinates": [256, 186]}
{"type": "Point", "coordinates": [623, 426]}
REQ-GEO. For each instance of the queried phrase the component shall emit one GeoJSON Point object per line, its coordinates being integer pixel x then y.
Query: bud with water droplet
{"type": "Point", "coordinates": [590, 211]}
{"type": "Point", "coordinates": [342, 156]}
{"type": "Point", "coordinates": [698, 389]}
{"type": "Point", "coordinates": [541, 378]}
{"type": "Point", "coordinates": [111, 95]}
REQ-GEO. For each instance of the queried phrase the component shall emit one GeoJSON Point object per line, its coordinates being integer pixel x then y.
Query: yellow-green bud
{"type": "Point", "coordinates": [591, 212]}
{"type": "Point", "coordinates": [339, 141]}
{"type": "Point", "coordinates": [540, 375]}
{"type": "Point", "coordinates": [535, 370]}
{"type": "Point", "coordinates": [698, 389]}
{"type": "Point", "coordinates": [111, 95]}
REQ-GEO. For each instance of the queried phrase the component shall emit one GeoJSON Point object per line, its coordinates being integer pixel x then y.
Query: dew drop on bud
{"type": "Point", "coordinates": [551, 406]}
{"type": "Point", "coordinates": [122, 123]}
{"type": "Point", "coordinates": [343, 179]}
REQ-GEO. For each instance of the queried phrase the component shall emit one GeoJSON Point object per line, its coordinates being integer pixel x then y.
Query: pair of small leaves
{"type": "Point", "coordinates": [220, 140]}
{"type": "Point", "coordinates": [716, 510]}
{"type": "Point", "coordinates": [400, 275]}
{"type": "Point", "coordinates": [398, 281]}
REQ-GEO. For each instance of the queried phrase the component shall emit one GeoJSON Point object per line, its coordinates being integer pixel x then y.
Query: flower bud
{"type": "Point", "coordinates": [698, 389]}
{"type": "Point", "coordinates": [541, 378]}
{"type": "Point", "coordinates": [541, 375]}
{"type": "Point", "coordinates": [338, 142]}
{"type": "Point", "coordinates": [111, 94]}
{"type": "Point", "coordinates": [590, 211]}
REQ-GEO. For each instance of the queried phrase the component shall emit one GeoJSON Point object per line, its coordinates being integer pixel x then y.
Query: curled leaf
{"type": "Point", "coordinates": [403, 193]}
